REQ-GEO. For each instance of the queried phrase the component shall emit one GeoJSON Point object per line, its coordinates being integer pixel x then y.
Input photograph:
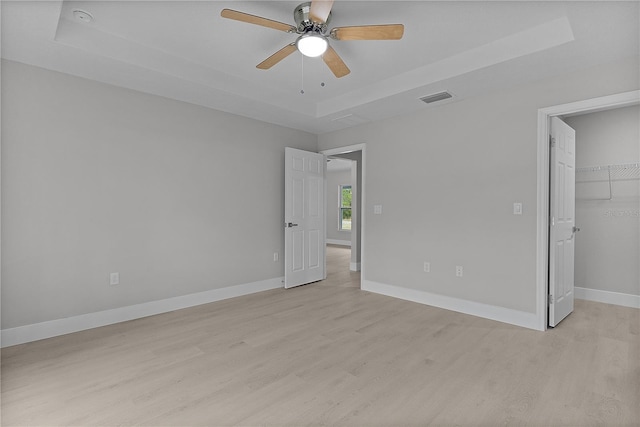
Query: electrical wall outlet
{"type": "Point", "coordinates": [517, 208]}
{"type": "Point", "coordinates": [427, 267]}
{"type": "Point", "coordinates": [276, 256]}
{"type": "Point", "coordinates": [459, 271]}
{"type": "Point", "coordinates": [114, 279]}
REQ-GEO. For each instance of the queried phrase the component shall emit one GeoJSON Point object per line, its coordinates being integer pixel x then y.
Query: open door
{"type": "Point", "coordinates": [304, 221]}
{"type": "Point", "coordinates": [562, 227]}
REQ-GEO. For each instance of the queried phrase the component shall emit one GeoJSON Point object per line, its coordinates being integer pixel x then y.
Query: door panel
{"type": "Point", "coordinates": [304, 217]}
{"type": "Point", "coordinates": [562, 224]}
{"type": "Point", "coordinates": [314, 249]}
{"type": "Point", "coordinates": [297, 250]}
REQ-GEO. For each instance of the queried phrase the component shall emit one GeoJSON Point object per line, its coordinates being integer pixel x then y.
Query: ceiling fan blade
{"type": "Point", "coordinates": [335, 63]}
{"type": "Point", "coordinates": [369, 32]}
{"type": "Point", "coordinates": [257, 20]}
{"type": "Point", "coordinates": [277, 57]}
{"type": "Point", "coordinates": [320, 9]}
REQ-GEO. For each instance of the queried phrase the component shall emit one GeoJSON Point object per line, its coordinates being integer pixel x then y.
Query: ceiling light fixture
{"type": "Point", "coordinates": [312, 44]}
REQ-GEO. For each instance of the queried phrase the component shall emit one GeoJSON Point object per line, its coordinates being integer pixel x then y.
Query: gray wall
{"type": "Point", "coordinates": [608, 245]}
{"type": "Point", "coordinates": [182, 199]}
{"type": "Point", "coordinates": [447, 178]}
{"type": "Point", "coordinates": [96, 179]}
{"type": "Point", "coordinates": [334, 180]}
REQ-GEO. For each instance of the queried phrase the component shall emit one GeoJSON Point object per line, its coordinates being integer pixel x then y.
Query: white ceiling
{"type": "Point", "coordinates": [186, 51]}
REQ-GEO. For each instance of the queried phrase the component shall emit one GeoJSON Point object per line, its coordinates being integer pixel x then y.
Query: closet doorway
{"type": "Point", "coordinates": [571, 112]}
{"type": "Point", "coordinates": [607, 205]}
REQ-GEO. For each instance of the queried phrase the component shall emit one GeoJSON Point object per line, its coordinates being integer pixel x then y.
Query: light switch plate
{"type": "Point", "coordinates": [377, 209]}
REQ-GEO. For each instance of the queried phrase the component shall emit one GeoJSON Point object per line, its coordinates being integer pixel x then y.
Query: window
{"type": "Point", "coordinates": [345, 207]}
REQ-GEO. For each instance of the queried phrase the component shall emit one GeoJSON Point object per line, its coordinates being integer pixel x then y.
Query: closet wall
{"type": "Point", "coordinates": [608, 200]}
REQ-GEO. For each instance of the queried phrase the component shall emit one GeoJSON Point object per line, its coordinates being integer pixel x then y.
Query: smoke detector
{"type": "Point", "coordinates": [82, 15]}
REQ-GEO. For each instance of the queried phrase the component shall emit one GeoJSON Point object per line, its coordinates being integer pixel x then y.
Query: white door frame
{"type": "Point", "coordinates": [624, 99]}
{"type": "Point", "coordinates": [348, 149]}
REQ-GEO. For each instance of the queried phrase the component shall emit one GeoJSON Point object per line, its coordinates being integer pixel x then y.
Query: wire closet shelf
{"type": "Point", "coordinates": [606, 175]}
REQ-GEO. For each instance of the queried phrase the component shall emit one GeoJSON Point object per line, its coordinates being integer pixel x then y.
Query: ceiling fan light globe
{"type": "Point", "coordinates": [312, 45]}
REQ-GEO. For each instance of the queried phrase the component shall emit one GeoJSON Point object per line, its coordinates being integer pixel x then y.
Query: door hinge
{"type": "Point", "coordinates": [552, 141]}
{"type": "Point", "coordinates": [549, 299]}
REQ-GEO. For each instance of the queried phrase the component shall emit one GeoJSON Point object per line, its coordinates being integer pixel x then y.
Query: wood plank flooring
{"type": "Point", "coordinates": [330, 354]}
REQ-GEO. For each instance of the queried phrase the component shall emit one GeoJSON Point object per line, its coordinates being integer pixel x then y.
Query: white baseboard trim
{"type": "Point", "coordinates": [501, 314]}
{"type": "Point", "coordinates": [52, 328]}
{"type": "Point", "coordinates": [354, 266]}
{"type": "Point", "coordinates": [607, 297]}
{"type": "Point", "coordinates": [339, 242]}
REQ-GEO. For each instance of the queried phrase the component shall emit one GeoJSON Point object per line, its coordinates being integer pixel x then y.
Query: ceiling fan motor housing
{"type": "Point", "coordinates": [304, 23]}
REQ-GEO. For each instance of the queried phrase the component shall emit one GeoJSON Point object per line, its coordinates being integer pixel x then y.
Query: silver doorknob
{"type": "Point", "coordinates": [576, 229]}
{"type": "Point", "coordinates": [290, 224]}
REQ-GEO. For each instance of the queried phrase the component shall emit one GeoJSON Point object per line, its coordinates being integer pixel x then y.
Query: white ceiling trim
{"type": "Point", "coordinates": [532, 40]}
{"type": "Point", "coordinates": [96, 42]}
{"type": "Point", "coordinates": [535, 39]}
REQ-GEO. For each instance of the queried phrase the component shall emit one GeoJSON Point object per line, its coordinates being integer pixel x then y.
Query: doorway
{"type": "Point", "coordinates": [543, 173]}
{"type": "Point", "coordinates": [340, 191]}
{"type": "Point", "coordinates": [356, 155]}
{"type": "Point", "coordinates": [608, 205]}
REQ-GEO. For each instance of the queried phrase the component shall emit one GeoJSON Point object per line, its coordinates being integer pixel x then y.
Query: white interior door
{"type": "Point", "coordinates": [562, 220]}
{"type": "Point", "coordinates": [304, 210]}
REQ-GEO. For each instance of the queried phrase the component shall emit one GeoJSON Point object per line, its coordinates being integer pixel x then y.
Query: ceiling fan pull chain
{"type": "Point", "coordinates": [302, 74]}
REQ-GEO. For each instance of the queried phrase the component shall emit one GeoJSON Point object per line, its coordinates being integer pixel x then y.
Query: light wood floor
{"type": "Point", "coordinates": [330, 354]}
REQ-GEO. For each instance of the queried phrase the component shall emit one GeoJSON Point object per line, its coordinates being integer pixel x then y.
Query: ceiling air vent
{"type": "Point", "coordinates": [440, 96]}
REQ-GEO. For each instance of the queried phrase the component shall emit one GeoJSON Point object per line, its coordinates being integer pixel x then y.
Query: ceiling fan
{"type": "Point", "coordinates": [312, 20]}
